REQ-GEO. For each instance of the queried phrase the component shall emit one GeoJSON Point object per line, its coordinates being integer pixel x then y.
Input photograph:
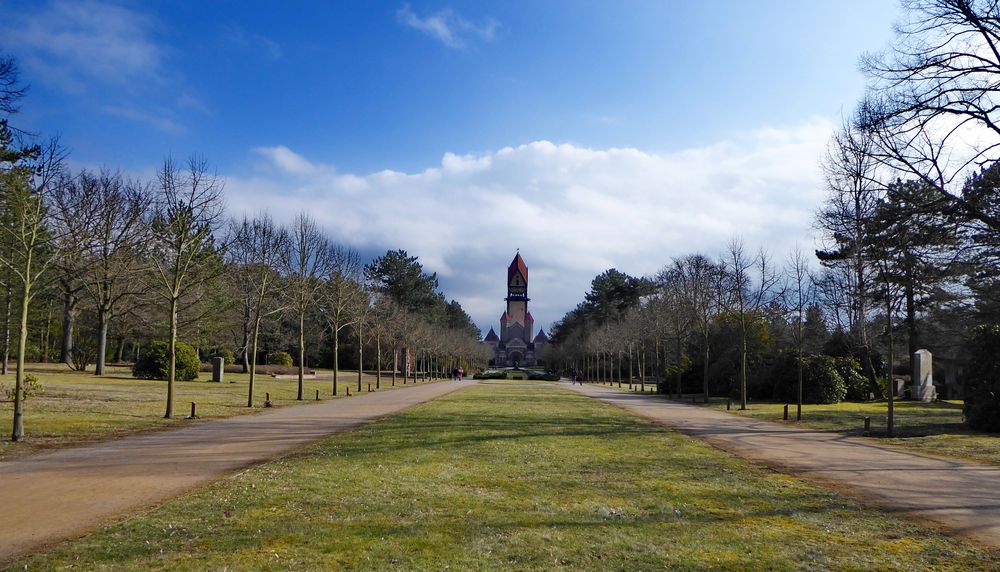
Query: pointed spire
{"type": "Point", "coordinates": [541, 338]}
{"type": "Point", "coordinates": [491, 337]}
{"type": "Point", "coordinates": [517, 265]}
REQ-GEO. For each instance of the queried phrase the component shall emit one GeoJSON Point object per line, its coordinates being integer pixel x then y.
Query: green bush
{"type": "Point", "coordinates": [982, 380]}
{"type": "Point", "coordinates": [490, 375]}
{"type": "Point", "coordinates": [821, 382]}
{"type": "Point", "coordinates": [280, 358]}
{"type": "Point", "coordinates": [226, 354]}
{"type": "Point", "coordinates": [858, 388]}
{"type": "Point", "coordinates": [154, 362]}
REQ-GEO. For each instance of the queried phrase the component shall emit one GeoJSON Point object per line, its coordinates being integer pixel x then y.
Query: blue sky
{"type": "Point", "coordinates": [589, 134]}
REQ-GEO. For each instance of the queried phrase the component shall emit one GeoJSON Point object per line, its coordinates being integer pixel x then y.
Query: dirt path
{"type": "Point", "coordinates": [53, 497]}
{"type": "Point", "coordinates": [962, 497]}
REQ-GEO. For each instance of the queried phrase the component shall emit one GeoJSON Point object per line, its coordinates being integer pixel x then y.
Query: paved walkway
{"type": "Point", "coordinates": [959, 496]}
{"type": "Point", "coordinates": [61, 495]}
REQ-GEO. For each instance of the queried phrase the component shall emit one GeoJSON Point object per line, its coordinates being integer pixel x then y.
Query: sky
{"type": "Point", "coordinates": [589, 135]}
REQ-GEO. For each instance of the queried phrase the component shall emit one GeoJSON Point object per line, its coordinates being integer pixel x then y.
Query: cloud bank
{"type": "Point", "coordinates": [573, 211]}
{"type": "Point", "coordinates": [447, 27]}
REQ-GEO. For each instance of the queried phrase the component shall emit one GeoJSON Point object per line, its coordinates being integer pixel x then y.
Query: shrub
{"type": "Point", "coordinates": [30, 387]}
{"type": "Point", "coordinates": [280, 358]}
{"type": "Point", "coordinates": [154, 362]}
{"type": "Point", "coordinates": [982, 380]}
{"type": "Point", "coordinates": [856, 384]}
{"type": "Point", "coordinates": [227, 355]}
{"type": "Point", "coordinates": [821, 382]}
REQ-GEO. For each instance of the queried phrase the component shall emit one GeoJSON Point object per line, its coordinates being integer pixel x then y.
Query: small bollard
{"type": "Point", "coordinates": [267, 400]}
{"type": "Point", "coordinates": [348, 391]}
{"type": "Point", "coordinates": [786, 412]}
{"type": "Point", "coordinates": [369, 388]}
{"type": "Point", "coordinates": [868, 426]}
{"type": "Point", "coordinates": [317, 395]}
{"type": "Point", "coordinates": [194, 414]}
{"type": "Point", "coordinates": [729, 404]}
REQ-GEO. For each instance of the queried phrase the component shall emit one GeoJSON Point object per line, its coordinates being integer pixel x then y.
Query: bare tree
{"type": "Point", "coordinates": [751, 281]}
{"type": "Point", "coordinates": [799, 295]}
{"type": "Point", "coordinates": [340, 294]}
{"type": "Point", "coordinates": [258, 248]}
{"type": "Point", "coordinates": [933, 104]}
{"type": "Point", "coordinates": [185, 255]}
{"type": "Point", "coordinates": [105, 214]}
{"type": "Point", "coordinates": [308, 260]}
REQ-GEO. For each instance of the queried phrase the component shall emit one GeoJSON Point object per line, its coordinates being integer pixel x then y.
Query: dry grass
{"type": "Point", "coordinates": [79, 407]}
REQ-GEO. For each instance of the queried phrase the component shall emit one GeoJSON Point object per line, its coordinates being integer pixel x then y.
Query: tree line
{"type": "Point", "coordinates": [910, 233]}
{"type": "Point", "coordinates": [94, 263]}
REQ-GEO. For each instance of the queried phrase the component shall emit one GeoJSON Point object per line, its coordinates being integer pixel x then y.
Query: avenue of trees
{"type": "Point", "coordinates": [95, 266]}
{"type": "Point", "coordinates": [910, 256]}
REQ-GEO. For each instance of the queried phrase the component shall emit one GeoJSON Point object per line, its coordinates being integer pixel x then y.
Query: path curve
{"type": "Point", "coordinates": [960, 496]}
{"type": "Point", "coordinates": [56, 496]}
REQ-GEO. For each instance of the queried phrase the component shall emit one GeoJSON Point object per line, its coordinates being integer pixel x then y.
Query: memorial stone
{"type": "Point", "coordinates": [923, 376]}
{"type": "Point", "coordinates": [218, 368]}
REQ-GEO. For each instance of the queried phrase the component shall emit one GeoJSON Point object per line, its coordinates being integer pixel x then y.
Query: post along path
{"type": "Point", "coordinates": [960, 496]}
{"type": "Point", "coordinates": [61, 495]}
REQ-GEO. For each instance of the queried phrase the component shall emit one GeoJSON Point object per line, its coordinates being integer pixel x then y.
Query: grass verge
{"type": "Point", "coordinates": [933, 428]}
{"type": "Point", "coordinates": [506, 476]}
{"type": "Point", "coordinates": [79, 407]}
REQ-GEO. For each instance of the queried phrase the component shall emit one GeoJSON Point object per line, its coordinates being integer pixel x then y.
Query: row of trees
{"type": "Point", "coordinates": [910, 232]}
{"type": "Point", "coordinates": [117, 257]}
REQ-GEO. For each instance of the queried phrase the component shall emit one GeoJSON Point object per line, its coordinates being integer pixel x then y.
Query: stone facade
{"type": "Point", "coordinates": [515, 345]}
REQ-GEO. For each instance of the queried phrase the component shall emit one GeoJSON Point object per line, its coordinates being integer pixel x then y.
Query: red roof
{"type": "Point", "coordinates": [517, 265]}
{"type": "Point", "coordinates": [505, 317]}
{"type": "Point", "coordinates": [492, 336]}
{"type": "Point", "coordinates": [528, 318]}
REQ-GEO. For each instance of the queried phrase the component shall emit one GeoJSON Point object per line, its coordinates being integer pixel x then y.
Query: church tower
{"type": "Point", "coordinates": [515, 345]}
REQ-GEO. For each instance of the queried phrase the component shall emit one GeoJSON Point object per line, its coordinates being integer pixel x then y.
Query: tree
{"type": "Point", "coordinates": [798, 299]}
{"type": "Point", "coordinates": [402, 278]}
{"type": "Point", "coordinates": [342, 289]}
{"type": "Point", "coordinates": [28, 243]}
{"type": "Point", "coordinates": [185, 255]}
{"type": "Point", "coordinates": [107, 215]}
{"type": "Point", "coordinates": [258, 248]}
{"type": "Point", "coordinates": [932, 102]}
{"type": "Point", "coordinates": [750, 284]}
{"type": "Point", "coordinates": [851, 174]}
{"type": "Point", "coordinates": [308, 259]}
{"type": "Point", "coordinates": [698, 279]}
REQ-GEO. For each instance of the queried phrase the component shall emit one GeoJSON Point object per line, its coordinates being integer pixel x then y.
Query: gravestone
{"type": "Point", "coordinates": [218, 368]}
{"type": "Point", "coordinates": [923, 376]}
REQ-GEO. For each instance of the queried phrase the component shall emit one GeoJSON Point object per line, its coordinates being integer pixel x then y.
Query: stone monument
{"type": "Point", "coordinates": [923, 376]}
{"type": "Point", "coordinates": [218, 368]}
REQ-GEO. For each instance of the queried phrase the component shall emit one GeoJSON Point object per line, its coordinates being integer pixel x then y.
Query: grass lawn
{"type": "Point", "coordinates": [513, 476]}
{"type": "Point", "coordinates": [78, 407]}
{"type": "Point", "coordinates": [934, 428]}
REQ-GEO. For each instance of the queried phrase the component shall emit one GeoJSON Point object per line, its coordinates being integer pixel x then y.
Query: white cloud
{"type": "Point", "coordinates": [449, 28]}
{"type": "Point", "coordinates": [573, 211]}
{"type": "Point", "coordinates": [70, 43]}
{"type": "Point", "coordinates": [237, 37]}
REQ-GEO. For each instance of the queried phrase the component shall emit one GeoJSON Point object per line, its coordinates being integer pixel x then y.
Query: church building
{"type": "Point", "coordinates": [515, 345]}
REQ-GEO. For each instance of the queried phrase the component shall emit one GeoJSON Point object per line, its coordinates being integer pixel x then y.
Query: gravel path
{"type": "Point", "coordinates": [53, 497]}
{"type": "Point", "coordinates": [962, 497]}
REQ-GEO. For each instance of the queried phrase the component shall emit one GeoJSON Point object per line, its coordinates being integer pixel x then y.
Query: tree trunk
{"type": "Point", "coordinates": [704, 372]}
{"type": "Point", "coordinates": [890, 427]}
{"type": "Point", "coordinates": [6, 334]}
{"type": "Point", "coordinates": [378, 362]}
{"type": "Point", "coordinates": [69, 323]}
{"type": "Point", "coordinates": [395, 365]}
{"type": "Point", "coordinates": [302, 354]}
{"type": "Point", "coordinates": [361, 355]}
{"type": "Point", "coordinates": [120, 350]}
{"type": "Point", "coordinates": [172, 365]}
{"type": "Point", "coordinates": [18, 433]}
{"type": "Point", "coordinates": [253, 360]}
{"type": "Point", "coordinates": [336, 357]}
{"type": "Point", "coordinates": [743, 368]}
{"type": "Point", "coordinates": [102, 340]}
